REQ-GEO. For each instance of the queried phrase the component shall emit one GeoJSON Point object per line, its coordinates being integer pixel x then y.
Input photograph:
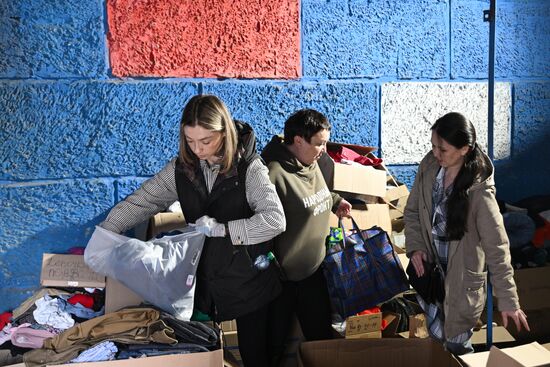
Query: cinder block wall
{"type": "Point", "coordinates": [91, 93]}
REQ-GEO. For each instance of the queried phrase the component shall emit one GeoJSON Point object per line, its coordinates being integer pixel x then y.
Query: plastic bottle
{"type": "Point", "coordinates": [262, 261]}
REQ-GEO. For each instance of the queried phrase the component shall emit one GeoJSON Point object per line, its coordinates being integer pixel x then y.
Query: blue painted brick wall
{"type": "Point", "coordinates": [74, 140]}
{"type": "Point", "coordinates": [52, 39]}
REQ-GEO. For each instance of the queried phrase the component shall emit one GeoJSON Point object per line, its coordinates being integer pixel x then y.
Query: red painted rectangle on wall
{"type": "Point", "coordinates": [228, 39]}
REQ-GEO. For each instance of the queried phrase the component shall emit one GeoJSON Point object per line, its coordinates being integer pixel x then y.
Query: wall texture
{"type": "Point", "coordinates": [91, 93]}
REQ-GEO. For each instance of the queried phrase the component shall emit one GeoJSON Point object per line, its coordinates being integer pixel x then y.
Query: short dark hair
{"type": "Point", "coordinates": [304, 123]}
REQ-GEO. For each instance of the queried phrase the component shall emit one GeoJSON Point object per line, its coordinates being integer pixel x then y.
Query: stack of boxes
{"type": "Point", "coordinates": [377, 198]}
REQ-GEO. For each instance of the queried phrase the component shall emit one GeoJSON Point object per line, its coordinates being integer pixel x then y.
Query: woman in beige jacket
{"type": "Point", "coordinates": [452, 213]}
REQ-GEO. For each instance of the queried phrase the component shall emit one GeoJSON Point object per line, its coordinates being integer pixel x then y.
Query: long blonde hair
{"type": "Point", "coordinates": [210, 113]}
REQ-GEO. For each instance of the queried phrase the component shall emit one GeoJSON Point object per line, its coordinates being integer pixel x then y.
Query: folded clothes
{"type": "Point", "coordinates": [155, 349]}
{"type": "Point", "coordinates": [193, 332]}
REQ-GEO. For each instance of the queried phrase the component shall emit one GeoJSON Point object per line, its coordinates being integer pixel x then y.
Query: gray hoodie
{"type": "Point", "coordinates": [307, 203]}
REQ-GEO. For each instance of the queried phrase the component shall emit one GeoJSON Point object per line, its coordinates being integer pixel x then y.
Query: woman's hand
{"type": "Point", "coordinates": [344, 209]}
{"type": "Point", "coordinates": [519, 318]}
{"type": "Point", "coordinates": [417, 257]}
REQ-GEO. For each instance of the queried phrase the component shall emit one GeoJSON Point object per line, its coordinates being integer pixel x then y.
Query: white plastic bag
{"type": "Point", "coordinates": [162, 271]}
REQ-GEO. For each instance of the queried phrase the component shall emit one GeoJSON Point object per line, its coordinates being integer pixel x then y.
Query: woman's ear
{"type": "Point", "coordinates": [465, 150]}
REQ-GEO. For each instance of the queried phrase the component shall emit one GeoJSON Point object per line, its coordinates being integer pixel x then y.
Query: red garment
{"type": "Point", "coordinates": [76, 250]}
{"type": "Point", "coordinates": [85, 300]}
{"type": "Point", "coordinates": [375, 310]}
{"type": "Point", "coordinates": [5, 318]}
{"type": "Point", "coordinates": [541, 235]}
{"type": "Point", "coordinates": [343, 153]}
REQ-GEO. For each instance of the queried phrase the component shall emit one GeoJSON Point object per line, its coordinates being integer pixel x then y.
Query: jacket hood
{"type": "Point", "coordinates": [247, 140]}
{"type": "Point", "coordinates": [276, 150]}
{"type": "Point", "coordinates": [484, 180]}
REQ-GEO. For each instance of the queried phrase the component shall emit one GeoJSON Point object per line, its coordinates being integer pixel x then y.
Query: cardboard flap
{"type": "Point", "coordinates": [392, 320]}
{"type": "Point", "coordinates": [394, 193]}
{"type": "Point", "coordinates": [500, 335]}
{"type": "Point", "coordinates": [418, 327]}
{"type": "Point", "coordinates": [363, 150]}
{"type": "Point", "coordinates": [68, 271]}
{"type": "Point", "coordinates": [165, 222]}
{"type": "Point", "coordinates": [527, 355]}
{"type": "Point", "coordinates": [497, 358]}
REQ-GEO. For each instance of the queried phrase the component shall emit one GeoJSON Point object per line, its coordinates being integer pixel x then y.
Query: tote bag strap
{"type": "Point", "coordinates": [355, 227]}
{"type": "Point", "coordinates": [363, 238]}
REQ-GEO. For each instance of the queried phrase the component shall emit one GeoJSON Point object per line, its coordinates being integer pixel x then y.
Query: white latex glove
{"type": "Point", "coordinates": [209, 227]}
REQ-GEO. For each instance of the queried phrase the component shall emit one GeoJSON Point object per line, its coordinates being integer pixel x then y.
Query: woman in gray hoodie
{"type": "Point", "coordinates": [307, 202]}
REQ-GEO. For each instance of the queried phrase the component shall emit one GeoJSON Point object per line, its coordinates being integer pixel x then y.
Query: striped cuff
{"type": "Point", "coordinates": [237, 232]}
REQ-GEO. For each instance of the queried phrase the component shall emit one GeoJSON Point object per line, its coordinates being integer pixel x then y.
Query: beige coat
{"type": "Point", "coordinates": [484, 243]}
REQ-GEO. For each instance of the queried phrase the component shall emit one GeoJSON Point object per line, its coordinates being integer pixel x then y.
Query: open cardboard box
{"type": "Point", "coordinates": [387, 352]}
{"type": "Point", "coordinates": [353, 178]}
{"type": "Point", "coordinates": [71, 271]}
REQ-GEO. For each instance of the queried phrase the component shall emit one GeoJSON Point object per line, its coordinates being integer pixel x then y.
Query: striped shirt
{"type": "Point", "coordinates": [434, 312]}
{"type": "Point", "coordinates": [159, 192]}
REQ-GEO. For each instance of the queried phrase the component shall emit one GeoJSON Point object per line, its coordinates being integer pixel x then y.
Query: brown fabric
{"type": "Point", "coordinates": [130, 326]}
{"type": "Point", "coordinates": [484, 243]}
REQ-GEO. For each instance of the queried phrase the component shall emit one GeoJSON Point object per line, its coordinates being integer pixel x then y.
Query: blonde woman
{"type": "Point", "coordinates": [224, 188]}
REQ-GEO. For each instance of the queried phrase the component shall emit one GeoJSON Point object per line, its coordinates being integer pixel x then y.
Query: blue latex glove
{"type": "Point", "coordinates": [209, 227]}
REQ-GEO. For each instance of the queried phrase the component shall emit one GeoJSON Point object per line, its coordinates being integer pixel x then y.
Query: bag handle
{"type": "Point", "coordinates": [354, 227]}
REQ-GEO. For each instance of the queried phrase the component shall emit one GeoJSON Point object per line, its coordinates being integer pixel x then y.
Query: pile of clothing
{"type": "Point", "coordinates": [57, 326]}
{"type": "Point", "coordinates": [527, 224]}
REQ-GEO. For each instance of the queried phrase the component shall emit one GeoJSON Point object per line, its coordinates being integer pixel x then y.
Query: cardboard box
{"type": "Point", "coordinates": [353, 178]}
{"type": "Point", "coordinates": [68, 271]}
{"type": "Point", "coordinates": [165, 222]}
{"type": "Point", "coordinates": [370, 326]}
{"type": "Point", "coordinates": [118, 296]}
{"type": "Point", "coordinates": [364, 324]}
{"type": "Point", "coordinates": [533, 287]}
{"type": "Point", "coordinates": [371, 215]}
{"type": "Point", "coordinates": [390, 352]}
{"type": "Point", "coordinates": [418, 326]}
{"type": "Point", "coordinates": [396, 197]}
{"type": "Point", "coordinates": [204, 359]}
{"type": "Point", "coordinates": [230, 325]}
{"type": "Point", "coordinates": [500, 335]}
{"type": "Point", "coordinates": [528, 355]}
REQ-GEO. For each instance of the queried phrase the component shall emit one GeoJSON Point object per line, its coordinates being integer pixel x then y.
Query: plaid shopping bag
{"type": "Point", "coordinates": [364, 273]}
